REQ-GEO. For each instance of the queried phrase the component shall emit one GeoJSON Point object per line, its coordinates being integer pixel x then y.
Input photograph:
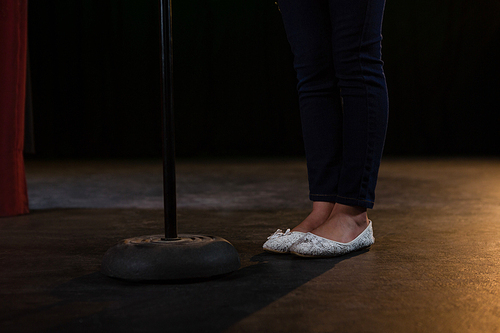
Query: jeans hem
{"type": "Point", "coordinates": [342, 200]}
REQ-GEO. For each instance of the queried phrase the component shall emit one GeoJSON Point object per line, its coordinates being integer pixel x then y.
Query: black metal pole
{"type": "Point", "coordinates": [169, 188]}
{"type": "Point", "coordinates": [170, 257]}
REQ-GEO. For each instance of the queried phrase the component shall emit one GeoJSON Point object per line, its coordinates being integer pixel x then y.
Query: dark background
{"type": "Point", "coordinates": [96, 78]}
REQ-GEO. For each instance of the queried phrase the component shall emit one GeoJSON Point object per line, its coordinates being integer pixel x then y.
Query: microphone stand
{"type": "Point", "coordinates": [169, 256]}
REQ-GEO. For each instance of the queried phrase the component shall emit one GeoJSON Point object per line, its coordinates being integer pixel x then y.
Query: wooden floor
{"type": "Point", "coordinates": [434, 267]}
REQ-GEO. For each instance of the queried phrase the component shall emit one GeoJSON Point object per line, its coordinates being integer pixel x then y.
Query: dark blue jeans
{"type": "Point", "coordinates": [342, 94]}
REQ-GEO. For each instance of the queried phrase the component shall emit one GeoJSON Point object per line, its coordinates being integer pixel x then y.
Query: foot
{"type": "Point", "coordinates": [280, 242]}
{"type": "Point", "coordinates": [344, 224]}
{"type": "Point", "coordinates": [315, 246]}
{"type": "Point", "coordinates": [320, 214]}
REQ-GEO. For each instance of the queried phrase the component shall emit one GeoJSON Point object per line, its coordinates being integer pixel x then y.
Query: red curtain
{"type": "Point", "coordinates": [13, 45]}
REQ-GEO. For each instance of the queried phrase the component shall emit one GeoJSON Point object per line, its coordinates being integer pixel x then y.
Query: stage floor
{"type": "Point", "coordinates": [435, 265]}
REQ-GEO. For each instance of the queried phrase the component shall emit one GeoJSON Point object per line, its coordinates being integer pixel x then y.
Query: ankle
{"type": "Point", "coordinates": [356, 214]}
{"type": "Point", "coordinates": [320, 213]}
{"type": "Point", "coordinates": [323, 209]}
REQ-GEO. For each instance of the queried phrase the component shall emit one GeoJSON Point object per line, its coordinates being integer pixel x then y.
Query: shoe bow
{"type": "Point", "coordinates": [279, 233]}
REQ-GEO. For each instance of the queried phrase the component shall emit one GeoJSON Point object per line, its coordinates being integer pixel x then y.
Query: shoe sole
{"type": "Point", "coordinates": [274, 251]}
{"type": "Point", "coordinates": [328, 256]}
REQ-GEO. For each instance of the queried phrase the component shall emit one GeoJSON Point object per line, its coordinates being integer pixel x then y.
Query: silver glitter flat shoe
{"type": "Point", "coordinates": [312, 245]}
{"type": "Point", "coordinates": [280, 242]}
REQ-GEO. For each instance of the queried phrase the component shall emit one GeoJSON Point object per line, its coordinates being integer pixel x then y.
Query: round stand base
{"type": "Point", "coordinates": [152, 258]}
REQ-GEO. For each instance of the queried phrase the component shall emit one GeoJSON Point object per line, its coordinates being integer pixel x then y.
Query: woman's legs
{"type": "Point", "coordinates": [343, 103]}
{"type": "Point", "coordinates": [308, 28]}
{"type": "Point", "coordinates": [356, 42]}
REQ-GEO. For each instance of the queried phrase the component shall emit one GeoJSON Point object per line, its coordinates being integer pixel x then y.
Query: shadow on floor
{"type": "Point", "coordinates": [212, 305]}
